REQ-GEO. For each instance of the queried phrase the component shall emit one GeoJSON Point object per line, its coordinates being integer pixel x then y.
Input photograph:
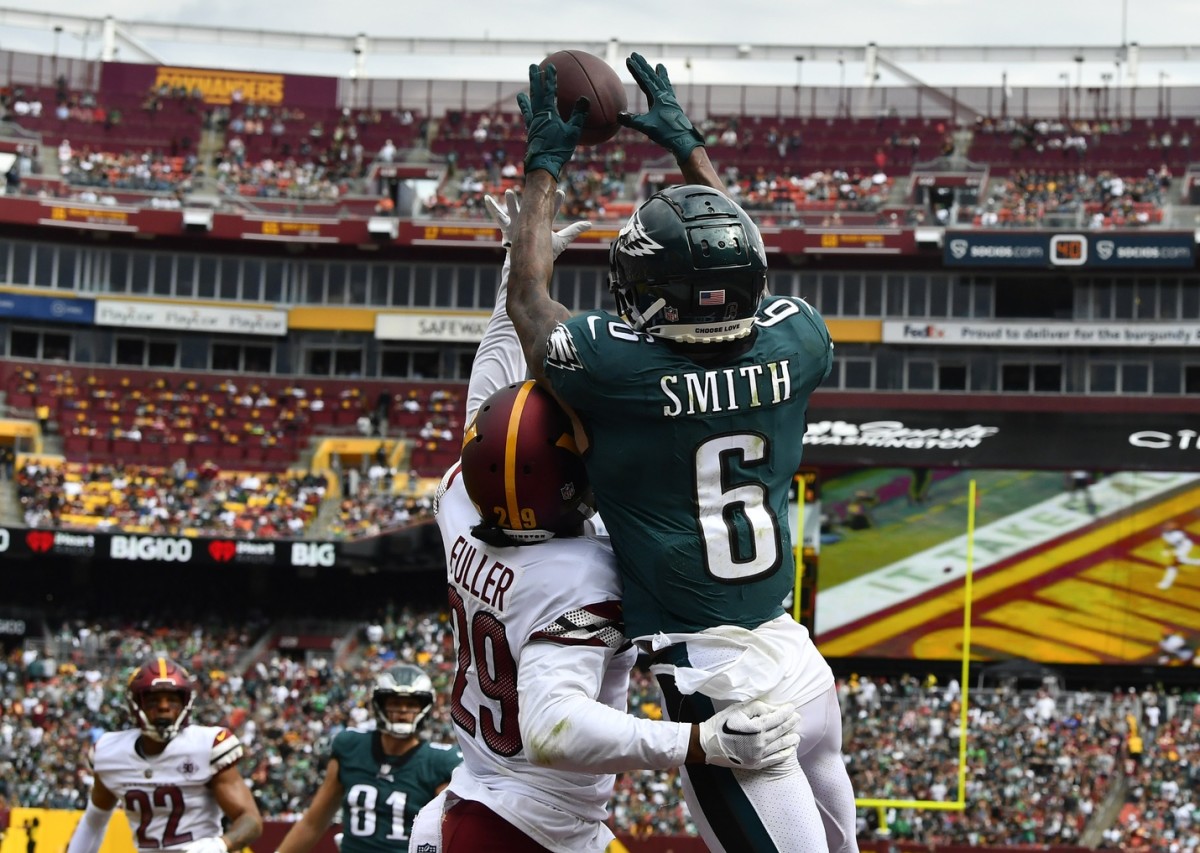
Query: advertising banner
{"type": "Point", "coordinates": [49, 308]}
{"type": "Point", "coordinates": [1092, 250]}
{"type": "Point", "coordinates": [1032, 333]}
{"type": "Point", "coordinates": [177, 550]}
{"type": "Point", "coordinates": [220, 86]}
{"type": "Point", "coordinates": [1131, 441]}
{"type": "Point", "coordinates": [430, 326]}
{"type": "Point", "coordinates": [190, 318]}
{"type": "Point", "coordinates": [91, 217]}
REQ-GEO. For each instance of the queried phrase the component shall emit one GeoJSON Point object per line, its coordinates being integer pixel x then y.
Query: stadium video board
{"type": "Point", "coordinates": [1067, 566]}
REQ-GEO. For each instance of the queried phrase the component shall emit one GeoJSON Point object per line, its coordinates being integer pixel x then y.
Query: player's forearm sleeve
{"type": "Point", "coordinates": [564, 727]}
{"type": "Point", "coordinates": [90, 831]}
{"type": "Point", "coordinates": [499, 360]}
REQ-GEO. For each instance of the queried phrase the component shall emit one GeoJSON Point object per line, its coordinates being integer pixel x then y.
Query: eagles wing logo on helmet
{"type": "Point", "coordinates": [633, 239]}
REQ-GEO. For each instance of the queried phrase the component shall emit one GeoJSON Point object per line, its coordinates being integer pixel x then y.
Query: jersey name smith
{"type": "Point", "coordinates": [746, 387]}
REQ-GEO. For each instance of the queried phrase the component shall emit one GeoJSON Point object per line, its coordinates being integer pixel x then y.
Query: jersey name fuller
{"type": "Point", "coordinates": [729, 389]}
{"type": "Point", "coordinates": [474, 572]}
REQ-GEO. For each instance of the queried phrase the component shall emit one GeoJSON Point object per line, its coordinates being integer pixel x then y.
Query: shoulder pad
{"type": "Point", "coordinates": [226, 750]}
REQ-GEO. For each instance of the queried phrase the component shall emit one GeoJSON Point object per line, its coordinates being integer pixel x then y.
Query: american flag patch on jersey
{"type": "Point", "coordinates": [712, 297]}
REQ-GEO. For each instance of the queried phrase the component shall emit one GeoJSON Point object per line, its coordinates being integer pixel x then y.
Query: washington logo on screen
{"type": "Point", "coordinates": [1104, 248]}
{"type": "Point", "coordinates": [958, 248]}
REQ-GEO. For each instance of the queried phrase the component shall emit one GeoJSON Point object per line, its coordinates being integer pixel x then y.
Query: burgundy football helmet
{"type": "Point", "coordinates": [521, 467]}
{"type": "Point", "coordinates": [159, 675]}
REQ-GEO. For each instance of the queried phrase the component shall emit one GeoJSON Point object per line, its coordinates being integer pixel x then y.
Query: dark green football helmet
{"type": "Point", "coordinates": [401, 680]}
{"type": "Point", "coordinates": [689, 266]}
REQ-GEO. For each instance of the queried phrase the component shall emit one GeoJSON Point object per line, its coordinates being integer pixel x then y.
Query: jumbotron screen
{"type": "Point", "coordinates": [1067, 566]}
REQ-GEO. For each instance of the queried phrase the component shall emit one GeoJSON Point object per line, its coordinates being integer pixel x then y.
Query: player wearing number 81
{"type": "Point", "coordinates": [175, 780]}
{"type": "Point", "coordinates": [380, 778]}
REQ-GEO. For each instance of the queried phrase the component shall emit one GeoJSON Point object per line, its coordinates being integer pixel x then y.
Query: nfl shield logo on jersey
{"type": "Point", "coordinates": [427, 848]}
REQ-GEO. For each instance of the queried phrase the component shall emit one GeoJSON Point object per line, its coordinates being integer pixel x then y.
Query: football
{"type": "Point", "coordinates": [582, 74]}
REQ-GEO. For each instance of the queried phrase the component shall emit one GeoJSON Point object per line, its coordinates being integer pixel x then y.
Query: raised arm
{"type": "Point", "coordinates": [665, 123]}
{"type": "Point", "coordinates": [549, 144]}
{"type": "Point", "coordinates": [533, 313]}
{"type": "Point", "coordinates": [500, 361]}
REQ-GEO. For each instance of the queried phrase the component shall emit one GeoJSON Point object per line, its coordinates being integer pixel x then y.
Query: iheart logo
{"type": "Point", "coordinates": [222, 551]}
{"type": "Point", "coordinates": [39, 541]}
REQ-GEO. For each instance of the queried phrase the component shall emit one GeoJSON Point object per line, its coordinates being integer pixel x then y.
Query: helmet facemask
{"type": "Point", "coordinates": [162, 731]}
{"type": "Point", "coordinates": [160, 676]}
{"type": "Point", "coordinates": [407, 681]}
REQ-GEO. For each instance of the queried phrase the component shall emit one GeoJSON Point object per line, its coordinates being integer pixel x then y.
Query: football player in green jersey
{"type": "Point", "coordinates": [379, 779]}
{"type": "Point", "coordinates": [690, 409]}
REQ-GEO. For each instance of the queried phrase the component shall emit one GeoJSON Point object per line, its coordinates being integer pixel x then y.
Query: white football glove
{"type": "Point", "coordinates": [505, 218]}
{"type": "Point", "coordinates": [215, 844]}
{"type": "Point", "coordinates": [750, 735]}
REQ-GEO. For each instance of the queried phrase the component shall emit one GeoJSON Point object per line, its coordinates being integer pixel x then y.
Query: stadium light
{"type": "Point", "coordinates": [1079, 86]}
{"type": "Point", "coordinates": [799, 79]}
{"type": "Point", "coordinates": [386, 228]}
{"type": "Point", "coordinates": [842, 86]}
{"type": "Point", "coordinates": [197, 219]}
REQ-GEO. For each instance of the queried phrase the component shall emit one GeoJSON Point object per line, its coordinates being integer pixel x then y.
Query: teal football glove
{"type": "Point", "coordinates": [549, 141]}
{"type": "Point", "coordinates": [665, 123]}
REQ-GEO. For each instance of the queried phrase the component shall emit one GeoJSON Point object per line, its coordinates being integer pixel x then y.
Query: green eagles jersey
{"type": "Point", "coordinates": [382, 793]}
{"type": "Point", "coordinates": [692, 464]}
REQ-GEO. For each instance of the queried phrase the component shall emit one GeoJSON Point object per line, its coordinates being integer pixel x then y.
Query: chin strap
{"type": "Point", "coordinates": [640, 320]}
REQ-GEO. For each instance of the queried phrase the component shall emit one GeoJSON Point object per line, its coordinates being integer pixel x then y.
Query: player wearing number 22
{"type": "Point", "coordinates": [691, 410]}
{"type": "Point", "coordinates": [380, 779]}
{"type": "Point", "coordinates": [175, 780]}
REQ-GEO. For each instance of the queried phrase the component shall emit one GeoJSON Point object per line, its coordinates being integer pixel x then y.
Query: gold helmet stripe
{"type": "Point", "coordinates": [510, 456]}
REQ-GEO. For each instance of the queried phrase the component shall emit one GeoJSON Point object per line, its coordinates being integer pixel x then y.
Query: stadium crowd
{"type": "Point", "coordinates": [200, 501]}
{"type": "Point", "coordinates": [1032, 197]}
{"type": "Point", "coordinates": [1039, 761]}
{"type": "Point", "coordinates": [1042, 168]}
